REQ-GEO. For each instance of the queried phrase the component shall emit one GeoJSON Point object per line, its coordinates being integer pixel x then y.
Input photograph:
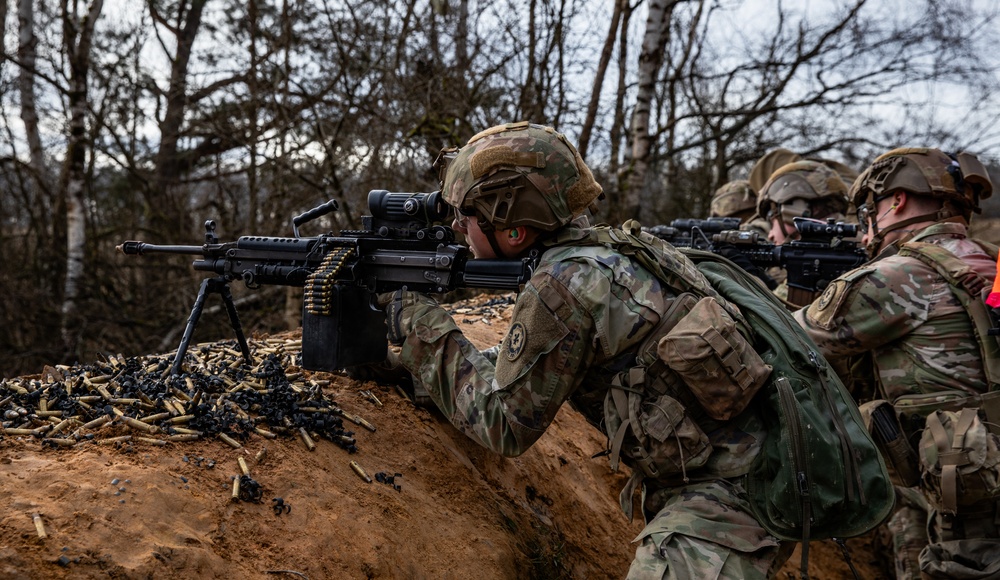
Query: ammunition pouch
{"type": "Point", "coordinates": [882, 422]}
{"type": "Point", "coordinates": [960, 467]}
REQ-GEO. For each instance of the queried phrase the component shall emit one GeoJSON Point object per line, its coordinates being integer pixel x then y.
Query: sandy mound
{"type": "Point", "coordinates": [135, 509]}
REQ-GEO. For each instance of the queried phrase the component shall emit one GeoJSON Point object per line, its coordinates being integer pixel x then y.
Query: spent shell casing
{"type": "Point", "coordinates": [260, 455]}
{"type": "Point", "coordinates": [139, 425]}
{"type": "Point", "coordinates": [60, 426]}
{"type": "Point", "coordinates": [360, 471]}
{"type": "Point", "coordinates": [183, 437]}
{"type": "Point", "coordinates": [59, 442]}
{"type": "Point", "coordinates": [359, 421]}
{"type": "Point", "coordinates": [181, 419]}
{"type": "Point", "coordinates": [264, 433]}
{"type": "Point", "coordinates": [243, 466]}
{"type": "Point", "coordinates": [39, 526]}
{"type": "Point", "coordinates": [230, 441]}
{"type": "Point", "coordinates": [236, 489]}
{"type": "Point", "coordinates": [18, 431]}
{"type": "Point", "coordinates": [110, 440]}
{"type": "Point", "coordinates": [154, 417]}
{"type": "Point", "coordinates": [185, 431]}
{"type": "Point", "coordinates": [151, 441]}
{"type": "Point", "coordinates": [310, 444]}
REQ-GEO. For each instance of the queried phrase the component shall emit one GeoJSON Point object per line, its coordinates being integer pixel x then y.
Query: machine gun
{"type": "Point", "coordinates": [819, 256]}
{"type": "Point", "coordinates": [401, 245]}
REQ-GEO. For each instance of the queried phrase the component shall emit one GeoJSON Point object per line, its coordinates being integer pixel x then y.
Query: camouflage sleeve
{"type": "Point", "coordinates": [865, 309]}
{"type": "Point", "coordinates": [505, 405]}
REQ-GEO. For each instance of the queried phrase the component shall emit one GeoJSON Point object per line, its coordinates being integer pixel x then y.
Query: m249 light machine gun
{"type": "Point", "coordinates": [821, 254]}
{"type": "Point", "coordinates": [401, 245]}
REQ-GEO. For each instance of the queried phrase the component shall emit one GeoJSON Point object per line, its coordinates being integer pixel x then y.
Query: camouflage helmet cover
{"type": "Point", "coordinates": [800, 183]}
{"type": "Point", "coordinates": [768, 164]}
{"type": "Point", "coordinates": [520, 174]}
{"type": "Point", "coordinates": [959, 178]}
{"type": "Point", "coordinates": [733, 199]}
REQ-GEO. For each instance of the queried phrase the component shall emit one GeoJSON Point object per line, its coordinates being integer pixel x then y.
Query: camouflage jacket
{"type": "Point", "coordinates": [904, 313]}
{"type": "Point", "coordinates": [578, 321]}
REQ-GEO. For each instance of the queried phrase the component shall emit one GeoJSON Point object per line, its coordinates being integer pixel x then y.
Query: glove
{"type": "Point", "coordinates": [737, 257]}
{"type": "Point", "coordinates": [402, 307]}
{"type": "Point", "coordinates": [388, 372]}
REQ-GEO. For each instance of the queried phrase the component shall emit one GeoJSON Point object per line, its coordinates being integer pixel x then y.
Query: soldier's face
{"type": "Point", "coordinates": [474, 236]}
{"type": "Point", "coordinates": [778, 229]}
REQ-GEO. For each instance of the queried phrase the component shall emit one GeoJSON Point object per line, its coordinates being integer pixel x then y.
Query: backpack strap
{"type": "Point", "coordinates": [968, 286]}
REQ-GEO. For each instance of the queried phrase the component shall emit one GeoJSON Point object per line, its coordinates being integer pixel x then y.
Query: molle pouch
{"type": "Point", "coordinates": [882, 422]}
{"type": "Point", "coordinates": [722, 369]}
{"type": "Point", "coordinates": [654, 435]}
{"type": "Point", "coordinates": [960, 463]}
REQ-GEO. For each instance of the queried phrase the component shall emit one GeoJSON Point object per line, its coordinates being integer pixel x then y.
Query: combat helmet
{"type": "Point", "coordinates": [960, 180]}
{"type": "Point", "coordinates": [734, 199]}
{"type": "Point", "coordinates": [518, 174]}
{"type": "Point", "coordinates": [805, 188]}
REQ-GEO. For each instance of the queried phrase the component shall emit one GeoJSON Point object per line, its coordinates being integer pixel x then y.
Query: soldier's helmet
{"type": "Point", "coordinates": [733, 199]}
{"type": "Point", "coordinates": [518, 174]}
{"type": "Point", "coordinates": [960, 180]}
{"type": "Point", "coordinates": [804, 188]}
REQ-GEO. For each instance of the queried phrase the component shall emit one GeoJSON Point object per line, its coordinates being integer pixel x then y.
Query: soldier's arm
{"type": "Point", "coordinates": [864, 309]}
{"type": "Point", "coordinates": [506, 405]}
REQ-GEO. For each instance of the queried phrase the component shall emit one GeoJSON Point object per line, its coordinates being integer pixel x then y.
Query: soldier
{"type": "Point", "coordinates": [915, 316]}
{"type": "Point", "coordinates": [737, 199]}
{"type": "Point", "coordinates": [587, 313]}
{"type": "Point", "coordinates": [803, 188]}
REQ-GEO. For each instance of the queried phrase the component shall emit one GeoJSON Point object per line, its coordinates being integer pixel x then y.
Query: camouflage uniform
{"type": "Point", "coordinates": [902, 321]}
{"type": "Point", "coordinates": [579, 321]}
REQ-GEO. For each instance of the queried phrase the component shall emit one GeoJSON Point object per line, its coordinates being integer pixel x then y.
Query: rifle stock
{"type": "Point", "coordinates": [400, 246]}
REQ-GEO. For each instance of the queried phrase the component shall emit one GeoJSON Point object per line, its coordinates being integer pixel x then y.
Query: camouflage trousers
{"type": "Point", "coordinates": [925, 546]}
{"type": "Point", "coordinates": [704, 530]}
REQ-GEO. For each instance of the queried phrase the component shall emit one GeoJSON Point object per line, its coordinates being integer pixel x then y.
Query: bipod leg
{"type": "Point", "coordinates": [234, 318]}
{"type": "Point", "coordinates": [199, 305]}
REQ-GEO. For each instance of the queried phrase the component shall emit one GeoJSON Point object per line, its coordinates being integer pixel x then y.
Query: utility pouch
{"type": "Point", "coordinates": [716, 362]}
{"type": "Point", "coordinates": [883, 423]}
{"type": "Point", "coordinates": [960, 462]}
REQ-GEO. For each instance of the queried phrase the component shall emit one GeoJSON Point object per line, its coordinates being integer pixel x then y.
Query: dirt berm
{"type": "Point", "coordinates": [140, 509]}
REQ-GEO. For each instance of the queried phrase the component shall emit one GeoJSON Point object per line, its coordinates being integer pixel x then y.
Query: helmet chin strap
{"type": "Point", "coordinates": [878, 235]}
{"type": "Point", "coordinates": [490, 233]}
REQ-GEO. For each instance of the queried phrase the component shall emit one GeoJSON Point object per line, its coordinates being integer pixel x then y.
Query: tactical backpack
{"type": "Point", "coordinates": [818, 473]}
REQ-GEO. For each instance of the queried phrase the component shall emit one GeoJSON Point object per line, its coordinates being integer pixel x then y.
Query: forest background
{"type": "Point", "coordinates": [141, 120]}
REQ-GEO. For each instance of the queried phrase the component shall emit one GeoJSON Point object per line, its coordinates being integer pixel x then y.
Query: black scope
{"type": "Point", "coordinates": [812, 229]}
{"type": "Point", "coordinates": [406, 207]}
{"type": "Point", "coordinates": [710, 225]}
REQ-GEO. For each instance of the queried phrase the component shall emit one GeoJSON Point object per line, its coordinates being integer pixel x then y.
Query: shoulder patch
{"type": "Point", "coordinates": [516, 339]}
{"type": "Point", "coordinates": [824, 310]}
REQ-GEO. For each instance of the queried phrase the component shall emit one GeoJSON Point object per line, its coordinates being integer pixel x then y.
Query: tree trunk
{"type": "Point", "coordinates": [602, 69]}
{"type": "Point", "coordinates": [166, 210]}
{"type": "Point", "coordinates": [27, 54]}
{"type": "Point", "coordinates": [650, 58]}
{"type": "Point", "coordinates": [77, 37]}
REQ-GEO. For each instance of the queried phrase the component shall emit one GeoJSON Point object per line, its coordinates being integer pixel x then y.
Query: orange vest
{"type": "Point", "coordinates": [994, 298]}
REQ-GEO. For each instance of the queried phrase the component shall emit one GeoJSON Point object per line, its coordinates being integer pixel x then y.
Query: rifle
{"type": "Point", "coordinates": [814, 260]}
{"type": "Point", "coordinates": [693, 233]}
{"type": "Point", "coordinates": [401, 245]}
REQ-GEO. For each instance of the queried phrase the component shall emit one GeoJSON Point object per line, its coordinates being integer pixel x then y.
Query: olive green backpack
{"type": "Point", "coordinates": [819, 474]}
